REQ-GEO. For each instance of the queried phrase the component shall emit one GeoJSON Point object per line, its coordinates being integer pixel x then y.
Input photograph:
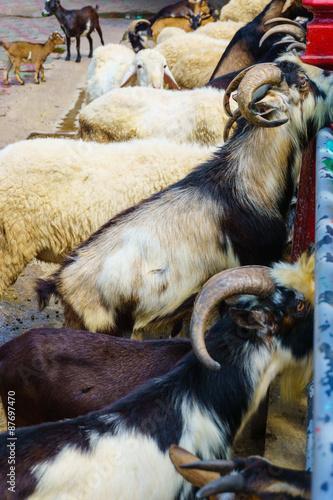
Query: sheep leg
{"type": "Point", "coordinates": [6, 71]}
{"type": "Point", "coordinates": [17, 65]}
{"type": "Point", "coordinates": [90, 46]}
{"type": "Point", "coordinates": [68, 42]}
{"type": "Point", "coordinates": [78, 57]}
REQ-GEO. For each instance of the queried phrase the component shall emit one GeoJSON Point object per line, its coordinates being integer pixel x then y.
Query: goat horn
{"type": "Point", "coordinates": [231, 87]}
{"type": "Point", "coordinates": [261, 74]}
{"type": "Point", "coordinates": [284, 20]}
{"type": "Point", "coordinates": [230, 123]}
{"type": "Point", "coordinates": [296, 45]}
{"type": "Point", "coordinates": [133, 24]}
{"type": "Point", "coordinates": [253, 280]}
{"type": "Point", "coordinates": [296, 32]}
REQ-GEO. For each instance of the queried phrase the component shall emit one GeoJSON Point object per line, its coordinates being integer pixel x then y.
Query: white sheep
{"type": "Point", "coordinates": [242, 10]}
{"type": "Point", "coordinates": [220, 29]}
{"type": "Point", "coordinates": [55, 192]}
{"type": "Point", "coordinates": [188, 116]}
{"type": "Point", "coordinates": [169, 32]}
{"type": "Point", "coordinates": [116, 65]}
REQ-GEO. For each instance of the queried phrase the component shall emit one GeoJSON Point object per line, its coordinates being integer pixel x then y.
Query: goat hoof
{"type": "Point", "coordinates": [77, 60]}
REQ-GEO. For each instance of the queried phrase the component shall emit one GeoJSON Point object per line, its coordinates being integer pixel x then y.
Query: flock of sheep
{"type": "Point", "coordinates": [168, 217]}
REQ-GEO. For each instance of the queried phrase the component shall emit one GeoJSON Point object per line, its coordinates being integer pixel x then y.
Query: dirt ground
{"type": "Point", "coordinates": [53, 107]}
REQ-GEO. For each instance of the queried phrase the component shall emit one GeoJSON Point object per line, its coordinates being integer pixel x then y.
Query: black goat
{"type": "Point", "coordinates": [122, 450]}
{"type": "Point", "coordinates": [244, 49]}
{"type": "Point", "coordinates": [144, 267]}
{"type": "Point", "coordinates": [252, 477]}
{"type": "Point", "coordinates": [75, 23]}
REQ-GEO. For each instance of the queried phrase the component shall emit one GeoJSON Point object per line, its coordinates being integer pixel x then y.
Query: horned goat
{"type": "Point", "coordinates": [145, 266]}
{"type": "Point", "coordinates": [65, 189]}
{"type": "Point", "coordinates": [254, 476]}
{"type": "Point", "coordinates": [27, 52]}
{"type": "Point", "coordinates": [244, 48]}
{"type": "Point", "coordinates": [122, 450]}
{"type": "Point", "coordinates": [115, 65]}
{"type": "Point", "coordinates": [75, 23]}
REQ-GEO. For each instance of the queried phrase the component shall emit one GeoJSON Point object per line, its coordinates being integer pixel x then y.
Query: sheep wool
{"type": "Point", "coordinates": [56, 192]}
{"type": "Point", "coordinates": [242, 10]}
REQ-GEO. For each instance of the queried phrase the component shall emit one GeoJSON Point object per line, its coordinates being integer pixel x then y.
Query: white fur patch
{"type": "Point", "coordinates": [86, 31]}
{"type": "Point", "coordinates": [125, 466]}
{"type": "Point", "coordinates": [29, 56]}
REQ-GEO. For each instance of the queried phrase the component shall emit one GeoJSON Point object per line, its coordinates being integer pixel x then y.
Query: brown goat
{"type": "Point", "coordinates": [27, 52]}
{"type": "Point", "coordinates": [59, 374]}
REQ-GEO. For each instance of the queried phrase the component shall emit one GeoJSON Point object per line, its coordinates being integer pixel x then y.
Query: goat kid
{"type": "Point", "coordinates": [144, 267]}
{"type": "Point", "coordinates": [122, 451]}
{"type": "Point", "coordinates": [75, 23]}
{"type": "Point", "coordinates": [27, 52]}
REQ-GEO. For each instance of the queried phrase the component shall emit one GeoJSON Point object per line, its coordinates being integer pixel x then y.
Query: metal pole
{"type": "Point", "coordinates": [322, 478]}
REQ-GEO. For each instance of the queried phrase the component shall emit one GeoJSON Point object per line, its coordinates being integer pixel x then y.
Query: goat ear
{"type": "Point", "coordinates": [169, 79]}
{"type": "Point", "coordinates": [255, 319]}
{"type": "Point", "coordinates": [128, 75]}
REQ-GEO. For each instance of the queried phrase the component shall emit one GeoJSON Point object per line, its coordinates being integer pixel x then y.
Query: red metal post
{"type": "Point", "coordinates": [319, 52]}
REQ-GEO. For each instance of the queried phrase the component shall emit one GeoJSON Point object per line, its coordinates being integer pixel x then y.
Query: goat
{"type": "Point", "coordinates": [122, 450]}
{"type": "Point", "coordinates": [114, 65]}
{"type": "Point", "coordinates": [254, 476]}
{"type": "Point", "coordinates": [75, 23]}
{"type": "Point", "coordinates": [95, 369]}
{"type": "Point", "coordinates": [28, 52]}
{"type": "Point", "coordinates": [145, 265]}
{"type": "Point", "coordinates": [243, 49]}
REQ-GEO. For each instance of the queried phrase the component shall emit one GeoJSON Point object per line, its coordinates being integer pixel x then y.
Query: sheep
{"type": "Point", "coordinates": [242, 476]}
{"type": "Point", "coordinates": [65, 189]}
{"type": "Point", "coordinates": [114, 65]}
{"type": "Point", "coordinates": [122, 450]}
{"type": "Point", "coordinates": [219, 29]}
{"type": "Point", "coordinates": [169, 32]}
{"type": "Point", "coordinates": [75, 23]}
{"type": "Point", "coordinates": [242, 11]}
{"type": "Point", "coordinates": [28, 52]}
{"type": "Point", "coordinates": [144, 266]}
{"type": "Point", "coordinates": [244, 48]}
{"type": "Point", "coordinates": [192, 116]}
{"type": "Point", "coordinates": [95, 369]}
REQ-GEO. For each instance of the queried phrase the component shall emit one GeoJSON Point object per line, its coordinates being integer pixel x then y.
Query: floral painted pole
{"type": "Point", "coordinates": [314, 223]}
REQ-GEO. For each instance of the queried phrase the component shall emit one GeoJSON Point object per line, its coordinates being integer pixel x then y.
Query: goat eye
{"type": "Point", "coordinates": [300, 306]}
{"type": "Point", "coordinates": [139, 66]}
{"type": "Point", "coordinates": [304, 83]}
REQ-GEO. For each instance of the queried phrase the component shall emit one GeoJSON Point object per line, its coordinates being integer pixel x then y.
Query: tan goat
{"type": "Point", "coordinates": [26, 52]}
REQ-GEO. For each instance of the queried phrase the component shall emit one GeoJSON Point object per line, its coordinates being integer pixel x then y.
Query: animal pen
{"type": "Point", "coordinates": [314, 222]}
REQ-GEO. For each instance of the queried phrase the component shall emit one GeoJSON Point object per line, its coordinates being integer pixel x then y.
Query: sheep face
{"type": "Point", "coordinates": [151, 69]}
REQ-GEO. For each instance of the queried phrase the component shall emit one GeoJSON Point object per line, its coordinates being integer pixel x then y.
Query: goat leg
{"type": "Point", "coordinates": [90, 46]}
{"type": "Point", "coordinates": [68, 41]}
{"type": "Point", "coordinates": [6, 71]}
{"type": "Point", "coordinates": [16, 72]}
{"type": "Point", "coordinates": [42, 73]}
{"type": "Point", "coordinates": [78, 57]}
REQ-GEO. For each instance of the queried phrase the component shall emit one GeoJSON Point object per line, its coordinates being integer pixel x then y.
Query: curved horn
{"type": "Point", "coordinates": [261, 74]}
{"type": "Point", "coordinates": [253, 280]}
{"type": "Point", "coordinates": [133, 24]}
{"type": "Point", "coordinates": [284, 20]}
{"type": "Point", "coordinates": [296, 32]}
{"type": "Point", "coordinates": [230, 123]}
{"type": "Point", "coordinates": [231, 87]}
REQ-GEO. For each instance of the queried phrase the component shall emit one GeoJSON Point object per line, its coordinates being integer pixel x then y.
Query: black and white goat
{"type": "Point", "coordinates": [122, 450]}
{"type": "Point", "coordinates": [75, 23]}
{"type": "Point", "coordinates": [144, 267]}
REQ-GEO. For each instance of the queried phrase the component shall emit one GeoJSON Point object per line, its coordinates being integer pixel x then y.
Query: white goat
{"type": "Point", "coordinates": [56, 192]}
{"type": "Point", "coordinates": [116, 65]}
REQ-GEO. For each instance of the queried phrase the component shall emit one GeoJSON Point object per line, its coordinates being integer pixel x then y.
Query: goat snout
{"type": "Point", "coordinates": [156, 85]}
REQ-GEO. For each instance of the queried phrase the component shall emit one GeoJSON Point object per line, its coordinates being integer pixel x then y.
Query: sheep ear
{"type": "Point", "coordinates": [169, 79]}
{"type": "Point", "coordinates": [128, 75]}
{"type": "Point", "coordinates": [255, 319]}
